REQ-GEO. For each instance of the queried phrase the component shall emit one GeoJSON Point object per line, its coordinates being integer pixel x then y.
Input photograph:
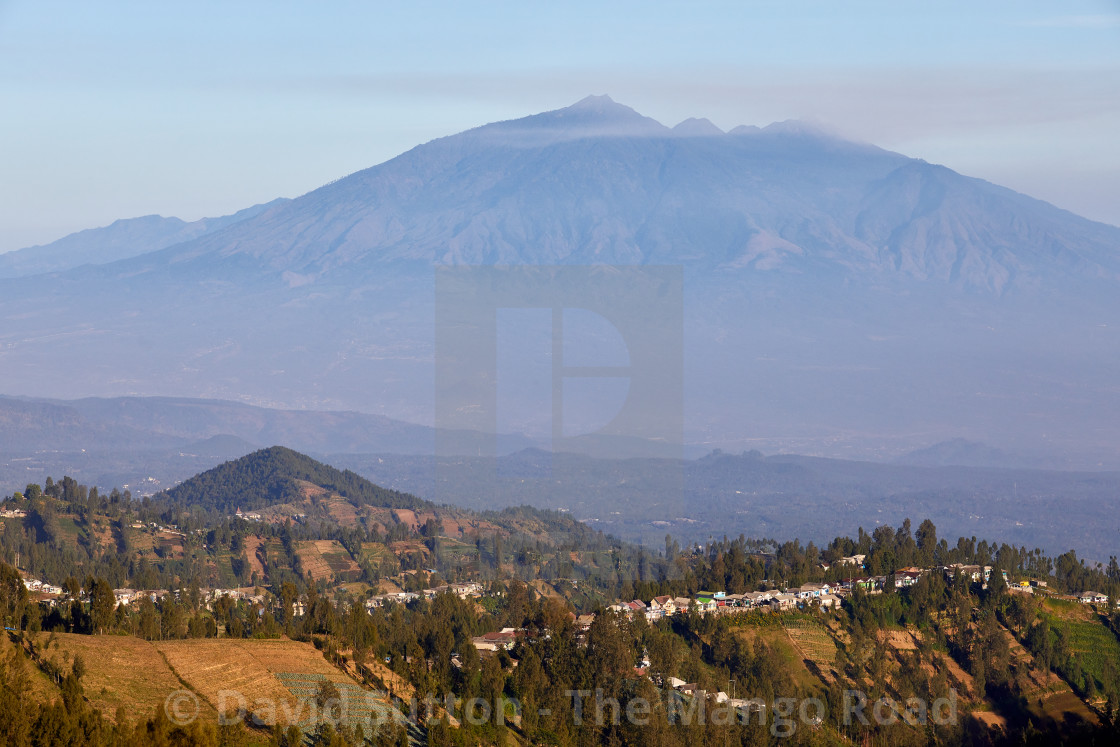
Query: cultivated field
{"type": "Point", "coordinates": [322, 558]}
{"type": "Point", "coordinates": [1094, 645]}
{"type": "Point", "coordinates": [270, 678]}
{"type": "Point", "coordinates": [248, 668]}
{"type": "Point", "coordinates": [774, 635]}
{"type": "Point", "coordinates": [120, 671]}
{"type": "Point", "coordinates": [815, 645]}
{"type": "Point", "coordinates": [255, 551]}
{"type": "Point", "coordinates": [375, 552]}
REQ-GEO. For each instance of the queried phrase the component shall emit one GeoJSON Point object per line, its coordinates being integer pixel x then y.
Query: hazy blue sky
{"type": "Point", "coordinates": [114, 109]}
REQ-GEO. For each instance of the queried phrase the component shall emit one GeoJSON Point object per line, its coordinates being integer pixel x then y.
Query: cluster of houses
{"type": "Point", "coordinates": [463, 590]}
{"type": "Point", "coordinates": [128, 597]}
{"type": "Point", "coordinates": [160, 528]}
{"type": "Point", "coordinates": [1094, 597]}
{"type": "Point", "coordinates": [41, 587]}
{"type": "Point", "coordinates": [823, 594]}
{"type": "Point", "coordinates": [255, 516]}
{"type": "Point", "coordinates": [499, 640]}
{"type": "Point", "coordinates": [719, 602]}
{"type": "Point", "coordinates": [693, 689]}
{"type": "Point", "coordinates": [12, 513]}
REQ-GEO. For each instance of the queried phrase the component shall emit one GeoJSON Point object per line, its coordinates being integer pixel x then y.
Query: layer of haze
{"type": "Point", "coordinates": [115, 110]}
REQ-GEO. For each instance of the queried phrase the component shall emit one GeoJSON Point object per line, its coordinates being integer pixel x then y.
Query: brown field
{"type": "Point", "coordinates": [454, 527]}
{"type": "Point", "coordinates": [392, 681]}
{"type": "Point", "coordinates": [342, 511]}
{"type": "Point", "coordinates": [322, 558]}
{"type": "Point", "coordinates": [171, 545]}
{"type": "Point", "coordinates": [386, 586]}
{"type": "Point", "coordinates": [247, 667]}
{"type": "Point", "coordinates": [1063, 704]}
{"type": "Point", "coordinates": [120, 671]}
{"type": "Point", "coordinates": [375, 552]}
{"type": "Point", "coordinates": [448, 526]}
{"type": "Point", "coordinates": [958, 676]}
{"type": "Point", "coordinates": [310, 490]}
{"type": "Point", "coordinates": [406, 516]}
{"type": "Point", "coordinates": [338, 558]}
{"type": "Point", "coordinates": [139, 675]}
{"type": "Point", "coordinates": [103, 535]}
{"type": "Point", "coordinates": [900, 640]}
{"type": "Point", "coordinates": [1058, 701]}
{"type": "Point", "coordinates": [356, 589]}
{"type": "Point", "coordinates": [405, 547]}
{"type": "Point", "coordinates": [140, 540]}
{"type": "Point", "coordinates": [545, 589]}
{"type": "Point", "coordinates": [255, 553]}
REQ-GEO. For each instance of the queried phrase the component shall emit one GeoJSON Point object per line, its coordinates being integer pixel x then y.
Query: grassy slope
{"type": "Point", "coordinates": [120, 671]}
{"type": "Point", "coordinates": [139, 675]}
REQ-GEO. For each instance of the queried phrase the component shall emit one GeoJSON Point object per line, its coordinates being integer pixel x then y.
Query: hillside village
{"type": "Point", "coordinates": [409, 597]}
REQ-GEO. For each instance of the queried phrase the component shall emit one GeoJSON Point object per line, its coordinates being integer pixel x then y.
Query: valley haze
{"type": "Point", "coordinates": [840, 300]}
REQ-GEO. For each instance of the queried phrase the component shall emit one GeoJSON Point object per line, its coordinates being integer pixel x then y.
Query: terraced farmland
{"type": "Point", "coordinates": [261, 672]}
{"type": "Point", "coordinates": [1094, 645]}
{"type": "Point", "coordinates": [1047, 694]}
{"type": "Point", "coordinates": [815, 644]}
{"type": "Point", "coordinates": [376, 552]}
{"type": "Point", "coordinates": [357, 707]}
{"type": "Point", "coordinates": [120, 671]}
{"type": "Point", "coordinates": [324, 558]}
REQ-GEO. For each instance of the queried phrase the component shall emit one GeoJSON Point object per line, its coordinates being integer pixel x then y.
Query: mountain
{"type": "Point", "coordinates": [960, 452]}
{"type": "Point", "coordinates": [599, 183]}
{"type": "Point", "coordinates": [209, 427]}
{"type": "Point", "coordinates": [839, 299]}
{"type": "Point", "coordinates": [35, 425]}
{"type": "Point", "coordinates": [278, 475]}
{"type": "Point", "coordinates": [122, 239]}
{"type": "Point", "coordinates": [276, 485]}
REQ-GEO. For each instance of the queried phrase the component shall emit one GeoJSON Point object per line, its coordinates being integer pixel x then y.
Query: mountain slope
{"type": "Point", "coordinates": [272, 476]}
{"type": "Point", "coordinates": [597, 182]}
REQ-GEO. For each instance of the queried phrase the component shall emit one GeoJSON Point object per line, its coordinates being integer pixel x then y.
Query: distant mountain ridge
{"type": "Point", "coordinates": [155, 423]}
{"type": "Point", "coordinates": [961, 452]}
{"type": "Point", "coordinates": [810, 498]}
{"type": "Point", "coordinates": [123, 239]}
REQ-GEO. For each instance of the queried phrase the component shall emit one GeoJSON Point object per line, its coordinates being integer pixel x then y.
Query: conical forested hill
{"type": "Point", "coordinates": [272, 476]}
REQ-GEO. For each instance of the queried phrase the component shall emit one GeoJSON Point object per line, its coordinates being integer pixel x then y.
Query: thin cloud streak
{"type": "Point", "coordinates": [910, 103]}
{"type": "Point", "coordinates": [1095, 21]}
